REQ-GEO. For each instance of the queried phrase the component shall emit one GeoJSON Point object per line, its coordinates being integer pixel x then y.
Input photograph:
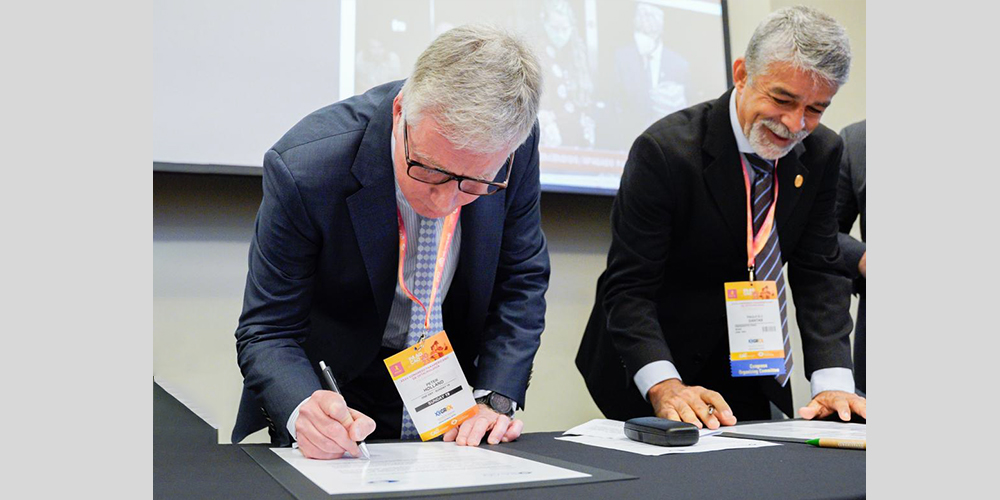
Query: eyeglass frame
{"type": "Point", "coordinates": [452, 176]}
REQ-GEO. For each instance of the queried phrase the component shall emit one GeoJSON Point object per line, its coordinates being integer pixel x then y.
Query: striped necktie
{"type": "Point", "coordinates": [768, 263]}
{"type": "Point", "coordinates": [423, 280]}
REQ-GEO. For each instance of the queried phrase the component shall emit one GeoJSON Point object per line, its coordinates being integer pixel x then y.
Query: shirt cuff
{"type": "Point", "coordinates": [478, 393]}
{"type": "Point", "coordinates": [653, 374]}
{"type": "Point", "coordinates": [290, 425]}
{"type": "Point", "coordinates": [832, 379]}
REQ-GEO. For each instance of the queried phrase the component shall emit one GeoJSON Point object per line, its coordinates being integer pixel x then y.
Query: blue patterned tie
{"type": "Point", "coordinates": [768, 263]}
{"type": "Point", "coordinates": [421, 289]}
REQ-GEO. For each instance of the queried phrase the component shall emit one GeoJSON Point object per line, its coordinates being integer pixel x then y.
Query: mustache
{"type": "Point", "coordinates": [782, 131]}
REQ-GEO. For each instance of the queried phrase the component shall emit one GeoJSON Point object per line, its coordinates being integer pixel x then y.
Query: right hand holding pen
{"type": "Point", "coordinates": [673, 400]}
{"type": "Point", "coordinates": [326, 427]}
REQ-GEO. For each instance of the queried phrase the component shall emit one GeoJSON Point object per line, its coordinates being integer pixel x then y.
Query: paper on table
{"type": "Point", "coordinates": [614, 429]}
{"type": "Point", "coordinates": [610, 434]}
{"type": "Point", "coordinates": [800, 430]}
{"type": "Point", "coordinates": [421, 466]}
{"type": "Point", "coordinates": [710, 443]}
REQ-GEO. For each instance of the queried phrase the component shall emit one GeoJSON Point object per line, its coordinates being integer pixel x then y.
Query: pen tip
{"type": "Point", "coordinates": [322, 365]}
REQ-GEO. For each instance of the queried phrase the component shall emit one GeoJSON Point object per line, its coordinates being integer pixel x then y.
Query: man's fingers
{"type": "Point", "coordinates": [514, 431]}
{"type": "Point", "coordinates": [722, 410]}
{"type": "Point", "coordinates": [363, 425]}
{"type": "Point", "coordinates": [814, 409]}
{"type": "Point", "coordinates": [463, 432]}
{"type": "Point", "coordinates": [308, 449]}
{"type": "Point", "coordinates": [859, 405]}
{"type": "Point", "coordinates": [337, 433]}
{"type": "Point", "coordinates": [701, 410]}
{"type": "Point", "coordinates": [451, 435]}
{"type": "Point", "coordinates": [671, 414]}
{"type": "Point", "coordinates": [478, 431]}
{"type": "Point", "coordinates": [334, 406]}
{"type": "Point", "coordinates": [311, 450]}
{"type": "Point", "coordinates": [842, 407]}
{"type": "Point", "coordinates": [687, 414]}
{"type": "Point", "coordinates": [499, 429]}
{"type": "Point", "coordinates": [306, 430]}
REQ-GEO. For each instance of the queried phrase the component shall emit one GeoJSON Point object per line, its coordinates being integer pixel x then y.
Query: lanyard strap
{"type": "Point", "coordinates": [444, 245]}
{"type": "Point", "coordinates": [755, 243]}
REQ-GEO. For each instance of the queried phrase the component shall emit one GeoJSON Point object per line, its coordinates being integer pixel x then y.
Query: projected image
{"type": "Point", "coordinates": [611, 68]}
{"type": "Point", "coordinates": [566, 116]}
{"type": "Point", "coordinates": [653, 80]}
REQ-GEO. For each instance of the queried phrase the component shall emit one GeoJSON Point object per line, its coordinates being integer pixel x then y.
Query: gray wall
{"type": "Point", "coordinates": [202, 226]}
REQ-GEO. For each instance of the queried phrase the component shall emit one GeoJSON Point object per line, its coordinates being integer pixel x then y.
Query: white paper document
{"type": "Point", "coordinates": [614, 429]}
{"type": "Point", "coordinates": [610, 434]}
{"type": "Point", "coordinates": [801, 430]}
{"type": "Point", "coordinates": [421, 466]}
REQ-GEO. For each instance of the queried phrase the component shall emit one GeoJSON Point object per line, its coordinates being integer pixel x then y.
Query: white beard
{"type": "Point", "coordinates": [763, 146]}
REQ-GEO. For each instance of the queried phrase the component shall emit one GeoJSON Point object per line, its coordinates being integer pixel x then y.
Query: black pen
{"type": "Point", "coordinates": [328, 376]}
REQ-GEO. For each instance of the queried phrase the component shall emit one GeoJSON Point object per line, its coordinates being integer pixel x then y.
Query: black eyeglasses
{"type": "Point", "coordinates": [438, 176]}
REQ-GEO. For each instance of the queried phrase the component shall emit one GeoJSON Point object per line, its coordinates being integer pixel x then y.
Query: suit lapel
{"type": "Point", "coordinates": [480, 243]}
{"type": "Point", "coordinates": [723, 175]}
{"type": "Point", "coordinates": [373, 207]}
{"type": "Point", "coordinates": [788, 195]}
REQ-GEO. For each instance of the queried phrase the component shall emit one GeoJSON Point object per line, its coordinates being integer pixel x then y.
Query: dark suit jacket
{"type": "Point", "coordinates": [635, 78]}
{"type": "Point", "coordinates": [324, 256]}
{"type": "Point", "coordinates": [679, 232]}
{"type": "Point", "coordinates": [850, 205]}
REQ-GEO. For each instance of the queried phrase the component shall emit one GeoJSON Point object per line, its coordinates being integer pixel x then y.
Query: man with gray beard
{"type": "Point", "coordinates": [699, 211]}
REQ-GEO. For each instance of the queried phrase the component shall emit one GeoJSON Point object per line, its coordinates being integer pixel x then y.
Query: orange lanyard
{"type": "Point", "coordinates": [444, 245]}
{"type": "Point", "coordinates": [756, 243]}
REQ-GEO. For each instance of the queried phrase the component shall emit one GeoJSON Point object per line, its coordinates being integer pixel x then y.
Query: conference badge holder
{"type": "Point", "coordinates": [432, 385]}
{"type": "Point", "coordinates": [755, 341]}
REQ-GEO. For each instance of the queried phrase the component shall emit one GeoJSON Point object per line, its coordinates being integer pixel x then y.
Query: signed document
{"type": "Point", "coordinates": [398, 467]}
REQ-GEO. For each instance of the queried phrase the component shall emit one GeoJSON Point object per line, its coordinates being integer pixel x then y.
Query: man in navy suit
{"type": "Point", "coordinates": [341, 191]}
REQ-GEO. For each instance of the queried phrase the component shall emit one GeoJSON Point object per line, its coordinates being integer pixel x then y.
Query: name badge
{"type": "Point", "coordinates": [755, 341]}
{"type": "Point", "coordinates": [432, 385]}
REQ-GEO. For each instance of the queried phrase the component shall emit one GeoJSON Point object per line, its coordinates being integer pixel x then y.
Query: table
{"type": "Point", "coordinates": [188, 463]}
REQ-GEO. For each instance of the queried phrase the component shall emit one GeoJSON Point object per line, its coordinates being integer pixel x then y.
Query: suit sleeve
{"type": "Point", "coordinates": [640, 238]}
{"type": "Point", "coordinates": [847, 213]}
{"type": "Point", "coordinates": [819, 280]}
{"type": "Point", "coordinates": [277, 298]}
{"type": "Point", "coordinates": [516, 316]}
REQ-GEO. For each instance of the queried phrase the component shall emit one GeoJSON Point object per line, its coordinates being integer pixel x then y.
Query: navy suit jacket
{"type": "Point", "coordinates": [324, 256]}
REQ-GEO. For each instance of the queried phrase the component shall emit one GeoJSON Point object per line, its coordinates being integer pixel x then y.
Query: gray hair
{"type": "Point", "coordinates": [806, 38]}
{"type": "Point", "coordinates": [480, 84]}
{"type": "Point", "coordinates": [648, 19]}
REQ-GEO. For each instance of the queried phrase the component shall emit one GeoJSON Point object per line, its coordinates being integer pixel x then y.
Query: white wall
{"type": "Point", "coordinates": [202, 226]}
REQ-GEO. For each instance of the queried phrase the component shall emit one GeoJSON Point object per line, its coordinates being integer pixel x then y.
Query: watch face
{"type": "Point", "coordinates": [500, 403]}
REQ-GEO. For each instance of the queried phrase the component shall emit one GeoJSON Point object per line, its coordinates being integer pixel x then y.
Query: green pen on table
{"type": "Point", "coordinates": [852, 444]}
